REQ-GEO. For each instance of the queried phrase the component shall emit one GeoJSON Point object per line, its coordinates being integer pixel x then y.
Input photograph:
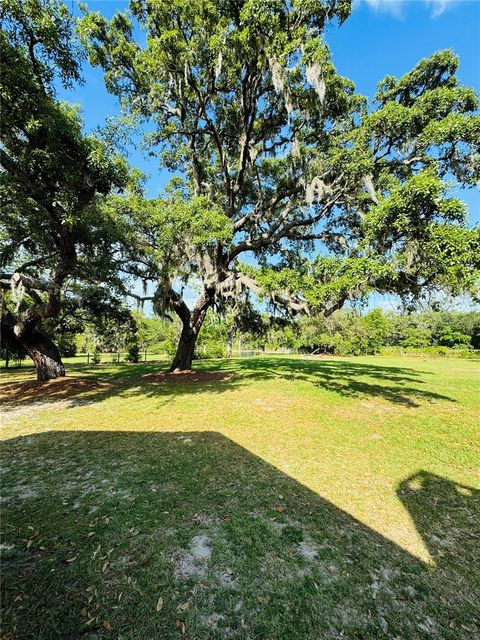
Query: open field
{"type": "Point", "coordinates": [280, 498]}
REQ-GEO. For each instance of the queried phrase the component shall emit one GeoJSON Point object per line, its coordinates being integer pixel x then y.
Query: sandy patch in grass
{"type": "Point", "coordinates": [201, 548]}
{"type": "Point", "coordinates": [308, 550]}
{"type": "Point", "coordinates": [13, 412]}
{"type": "Point", "coordinates": [212, 620]}
{"type": "Point", "coordinates": [194, 561]}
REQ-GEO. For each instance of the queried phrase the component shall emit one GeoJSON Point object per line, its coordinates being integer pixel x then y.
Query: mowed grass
{"type": "Point", "coordinates": [279, 498]}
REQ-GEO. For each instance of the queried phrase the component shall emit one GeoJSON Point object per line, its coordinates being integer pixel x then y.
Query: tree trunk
{"type": "Point", "coordinates": [192, 323]}
{"type": "Point", "coordinates": [230, 336]}
{"type": "Point", "coordinates": [38, 345]}
{"type": "Point", "coordinates": [45, 355]}
{"type": "Point", "coordinates": [185, 350]}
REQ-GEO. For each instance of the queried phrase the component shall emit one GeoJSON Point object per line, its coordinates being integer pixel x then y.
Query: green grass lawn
{"type": "Point", "coordinates": [280, 498]}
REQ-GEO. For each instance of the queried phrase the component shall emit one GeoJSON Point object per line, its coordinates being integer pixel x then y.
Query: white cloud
{"type": "Point", "coordinates": [396, 7]}
{"type": "Point", "coordinates": [438, 6]}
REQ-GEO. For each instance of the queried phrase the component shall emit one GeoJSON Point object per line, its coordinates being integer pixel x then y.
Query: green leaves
{"type": "Point", "coordinates": [438, 70]}
{"type": "Point", "coordinates": [450, 257]}
{"type": "Point", "coordinates": [55, 226]}
{"type": "Point", "coordinates": [409, 207]}
{"type": "Point", "coordinates": [198, 222]}
{"type": "Point", "coordinates": [321, 285]}
{"type": "Point", "coordinates": [48, 27]}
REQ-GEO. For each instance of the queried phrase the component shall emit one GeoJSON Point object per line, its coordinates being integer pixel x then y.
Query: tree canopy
{"type": "Point", "coordinates": [56, 232]}
{"type": "Point", "coordinates": [278, 157]}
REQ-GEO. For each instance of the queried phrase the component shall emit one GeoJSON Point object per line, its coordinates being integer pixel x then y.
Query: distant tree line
{"type": "Point", "coordinates": [350, 333]}
{"type": "Point", "coordinates": [346, 332]}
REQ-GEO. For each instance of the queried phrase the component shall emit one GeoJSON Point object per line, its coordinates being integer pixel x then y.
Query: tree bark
{"type": "Point", "coordinates": [41, 349]}
{"type": "Point", "coordinates": [185, 351]}
{"type": "Point", "coordinates": [45, 355]}
{"type": "Point", "coordinates": [191, 324]}
{"type": "Point", "coordinates": [230, 336]}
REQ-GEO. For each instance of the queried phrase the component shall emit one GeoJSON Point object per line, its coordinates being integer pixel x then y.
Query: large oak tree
{"type": "Point", "coordinates": [55, 230]}
{"type": "Point", "coordinates": [276, 156]}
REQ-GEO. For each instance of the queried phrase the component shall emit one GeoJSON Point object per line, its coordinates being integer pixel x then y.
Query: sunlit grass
{"type": "Point", "coordinates": [313, 445]}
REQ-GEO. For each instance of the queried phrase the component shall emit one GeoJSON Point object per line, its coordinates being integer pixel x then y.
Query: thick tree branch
{"type": "Point", "coordinates": [280, 230]}
{"type": "Point", "coordinates": [40, 309]}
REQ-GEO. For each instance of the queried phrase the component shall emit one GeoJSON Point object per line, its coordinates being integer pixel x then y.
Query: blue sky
{"type": "Point", "coordinates": [381, 37]}
{"type": "Point", "coordinates": [389, 36]}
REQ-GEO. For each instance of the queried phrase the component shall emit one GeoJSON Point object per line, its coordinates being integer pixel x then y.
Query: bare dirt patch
{"type": "Point", "coordinates": [194, 561]}
{"type": "Point", "coordinates": [58, 389]}
{"type": "Point", "coordinates": [189, 377]}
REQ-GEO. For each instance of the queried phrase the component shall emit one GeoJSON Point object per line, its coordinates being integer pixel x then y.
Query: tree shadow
{"type": "Point", "coordinates": [128, 382]}
{"type": "Point", "coordinates": [346, 378]}
{"type": "Point", "coordinates": [53, 390]}
{"type": "Point", "coordinates": [392, 384]}
{"type": "Point", "coordinates": [99, 526]}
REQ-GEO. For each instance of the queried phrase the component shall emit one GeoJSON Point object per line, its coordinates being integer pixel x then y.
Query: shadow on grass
{"type": "Point", "coordinates": [52, 390]}
{"type": "Point", "coordinates": [99, 526]}
{"type": "Point", "coordinates": [393, 384]}
{"type": "Point", "coordinates": [343, 377]}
